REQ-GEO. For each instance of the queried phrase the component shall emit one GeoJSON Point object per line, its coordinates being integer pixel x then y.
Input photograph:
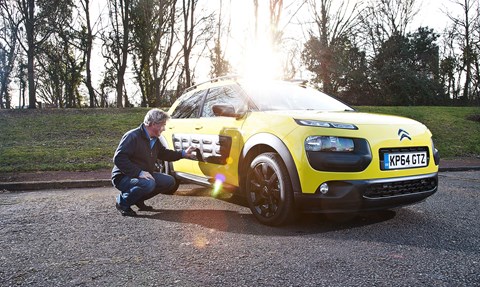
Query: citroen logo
{"type": "Point", "coordinates": [403, 134]}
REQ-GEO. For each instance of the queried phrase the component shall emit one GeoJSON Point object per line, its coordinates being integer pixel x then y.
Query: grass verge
{"type": "Point", "coordinates": [456, 130]}
{"type": "Point", "coordinates": [85, 139]}
{"type": "Point", "coordinates": [70, 140]}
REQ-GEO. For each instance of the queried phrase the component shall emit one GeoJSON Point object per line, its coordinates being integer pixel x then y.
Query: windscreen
{"type": "Point", "coordinates": [278, 95]}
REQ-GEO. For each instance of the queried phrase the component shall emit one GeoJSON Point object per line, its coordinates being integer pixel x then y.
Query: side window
{"type": "Point", "coordinates": [189, 106]}
{"type": "Point", "coordinates": [223, 95]}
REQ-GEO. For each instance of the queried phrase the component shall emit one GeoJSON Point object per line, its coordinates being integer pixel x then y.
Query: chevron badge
{"type": "Point", "coordinates": [403, 134]}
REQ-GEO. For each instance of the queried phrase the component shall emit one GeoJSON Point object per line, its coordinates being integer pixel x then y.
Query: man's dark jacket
{"type": "Point", "coordinates": [134, 154]}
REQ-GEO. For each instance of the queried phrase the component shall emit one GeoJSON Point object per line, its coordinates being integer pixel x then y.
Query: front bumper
{"type": "Point", "coordinates": [363, 195]}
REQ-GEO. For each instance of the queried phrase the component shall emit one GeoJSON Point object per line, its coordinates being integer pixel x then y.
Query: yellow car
{"type": "Point", "coordinates": [289, 148]}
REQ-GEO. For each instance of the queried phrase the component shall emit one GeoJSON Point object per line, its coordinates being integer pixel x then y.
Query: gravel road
{"type": "Point", "coordinates": [76, 237]}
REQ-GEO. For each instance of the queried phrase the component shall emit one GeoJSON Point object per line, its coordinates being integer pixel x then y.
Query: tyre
{"type": "Point", "coordinates": [269, 190]}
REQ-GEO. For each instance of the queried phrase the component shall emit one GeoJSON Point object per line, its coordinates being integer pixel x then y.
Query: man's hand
{"type": "Point", "coordinates": [188, 152]}
{"type": "Point", "coordinates": [145, 175]}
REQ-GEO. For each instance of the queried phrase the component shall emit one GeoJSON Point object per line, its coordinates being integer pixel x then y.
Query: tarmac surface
{"type": "Point", "coordinates": [76, 237]}
{"type": "Point", "coordinates": [29, 181]}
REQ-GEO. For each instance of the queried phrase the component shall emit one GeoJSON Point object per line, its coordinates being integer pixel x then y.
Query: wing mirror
{"type": "Point", "coordinates": [225, 110]}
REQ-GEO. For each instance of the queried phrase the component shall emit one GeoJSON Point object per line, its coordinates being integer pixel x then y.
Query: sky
{"type": "Point", "coordinates": [430, 14]}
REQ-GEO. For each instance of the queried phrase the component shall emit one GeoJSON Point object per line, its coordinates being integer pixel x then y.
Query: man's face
{"type": "Point", "coordinates": [158, 128]}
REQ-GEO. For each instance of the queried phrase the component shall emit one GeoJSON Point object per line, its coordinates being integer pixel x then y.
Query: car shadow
{"type": "Point", "coordinates": [406, 226]}
{"type": "Point", "coordinates": [245, 223]}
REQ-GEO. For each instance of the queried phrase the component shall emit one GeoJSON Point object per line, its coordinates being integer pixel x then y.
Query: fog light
{"type": "Point", "coordinates": [324, 188]}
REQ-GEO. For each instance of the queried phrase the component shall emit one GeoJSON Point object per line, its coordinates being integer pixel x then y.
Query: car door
{"type": "Point", "coordinates": [184, 119]}
{"type": "Point", "coordinates": [218, 138]}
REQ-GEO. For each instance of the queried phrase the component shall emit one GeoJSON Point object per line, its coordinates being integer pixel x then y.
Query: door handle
{"type": "Point", "coordinates": [199, 127]}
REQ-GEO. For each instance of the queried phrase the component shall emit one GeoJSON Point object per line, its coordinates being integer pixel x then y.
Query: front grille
{"type": "Point", "coordinates": [403, 149]}
{"type": "Point", "coordinates": [397, 188]}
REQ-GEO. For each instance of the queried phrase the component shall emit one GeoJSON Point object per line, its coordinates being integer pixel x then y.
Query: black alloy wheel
{"type": "Point", "coordinates": [269, 190]}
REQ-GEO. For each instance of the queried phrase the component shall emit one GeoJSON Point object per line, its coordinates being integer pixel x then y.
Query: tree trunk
{"type": "Point", "coordinates": [326, 53]}
{"type": "Point", "coordinates": [188, 17]}
{"type": "Point", "coordinates": [124, 52]}
{"type": "Point", "coordinates": [467, 56]}
{"type": "Point", "coordinates": [29, 26]}
{"type": "Point", "coordinates": [91, 91]}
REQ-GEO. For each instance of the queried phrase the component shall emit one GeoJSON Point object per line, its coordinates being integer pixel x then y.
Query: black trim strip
{"type": "Point", "coordinates": [355, 161]}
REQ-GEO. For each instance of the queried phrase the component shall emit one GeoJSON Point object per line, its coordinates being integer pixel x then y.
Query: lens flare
{"type": "Point", "coordinates": [200, 242]}
{"type": "Point", "coordinates": [217, 185]}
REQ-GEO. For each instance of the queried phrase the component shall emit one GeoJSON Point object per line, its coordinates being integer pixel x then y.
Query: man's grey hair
{"type": "Point", "coordinates": [155, 116]}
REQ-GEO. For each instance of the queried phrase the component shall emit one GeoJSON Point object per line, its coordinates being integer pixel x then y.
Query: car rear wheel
{"type": "Point", "coordinates": [269, 190]}
{"type": "Point", "coordinates": [166, 168]}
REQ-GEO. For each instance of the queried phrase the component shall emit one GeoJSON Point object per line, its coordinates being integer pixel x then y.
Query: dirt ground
{"type": "Point", "coordinates": [105, 173]}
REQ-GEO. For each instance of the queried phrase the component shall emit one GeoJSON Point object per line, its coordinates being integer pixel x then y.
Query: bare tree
{"type": "Point", "coordinates": [220, 66]}
{"type": "Point", "coordinates": [144, 20]}
{"type": "Point", "coordinates": [188, 13]}
{"type": "Point", "coordinates": [272, 38]}
{"type": "Point", "coordinates": [333, 26]}
{"type": "Point", "coordinates": [197, 31]}
{"type": "Point", "coordinates": [476, 45]}
{"type": "Point", "coordinates": [465, 31]}
{"type": "Point", "coordinates": [153, 31]}
{"type": "Point", "coordinates": [119, 12]}
{"type": "Point", "coordinates": [384, 18]}
{"type": "Point", "coordinates": [37, 17]}
{"type": "Point", "coordinates": [21, 76]}
{"type": "Point", "coordinates": [449, 66]}
{"type": "Point", "coordinates": [52, 74]}
{"type": "Point", "coordinates": [9, 25]}
{"type": "Point", "coordinates": [60, 57]}
{"type": "Point", "coordinates": [88, 53]}
{"type": "Point", "coordinates": [275, 8]}
{"type": "Point", "coordinates": [27, 8]}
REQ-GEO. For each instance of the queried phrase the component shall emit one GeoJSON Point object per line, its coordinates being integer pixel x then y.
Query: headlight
{"type": "Point", "coordinates": [326, 143]}
{"type": "Point", "coordinates": [321, 124]}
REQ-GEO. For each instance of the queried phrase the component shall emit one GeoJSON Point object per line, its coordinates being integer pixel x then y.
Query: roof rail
{"type": "Point", "coordinates": [223, 78]}
{"type": "Point", "coordinates": [302, 81]}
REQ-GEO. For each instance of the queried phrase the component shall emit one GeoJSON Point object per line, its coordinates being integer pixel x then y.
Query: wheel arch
{"type": "Point", "coordinates": [265, 142]}
{"type": "Point", "coordinates": [169, 166]}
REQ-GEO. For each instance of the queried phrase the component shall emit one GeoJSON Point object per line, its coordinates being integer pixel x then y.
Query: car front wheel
{"type": "Point", "coordinates": [269, 190]}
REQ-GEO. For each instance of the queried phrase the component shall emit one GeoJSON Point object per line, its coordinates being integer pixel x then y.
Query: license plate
{"type": "Point", "coordinates": [404, 160]}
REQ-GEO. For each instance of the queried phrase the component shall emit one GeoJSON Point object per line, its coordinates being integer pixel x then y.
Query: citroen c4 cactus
{"type": "Point", "coordinates": [288, 148]}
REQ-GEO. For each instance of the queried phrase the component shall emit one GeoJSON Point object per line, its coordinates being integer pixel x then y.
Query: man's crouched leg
{"type": "Point", "coordinates": [164, 184]}
{"type": "Point", "coordinates": [133, 191]}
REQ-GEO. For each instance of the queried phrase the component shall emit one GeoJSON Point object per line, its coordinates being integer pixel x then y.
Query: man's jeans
{"type": "Point", "coordinates": [135, 190]}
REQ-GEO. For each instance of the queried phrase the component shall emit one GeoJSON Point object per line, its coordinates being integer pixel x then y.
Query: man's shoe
{"type": "Point", "coordinates": [125, 211]}
{"type": "Point", "coordinates": [143, 207]}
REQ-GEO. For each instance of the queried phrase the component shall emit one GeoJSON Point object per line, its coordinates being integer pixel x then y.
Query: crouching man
{"type": "Point", "coordinates": [134, 171]}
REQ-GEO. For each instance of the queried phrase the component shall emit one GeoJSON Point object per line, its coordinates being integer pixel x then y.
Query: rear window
{"type": "Point", "coordinates": [189, 105]}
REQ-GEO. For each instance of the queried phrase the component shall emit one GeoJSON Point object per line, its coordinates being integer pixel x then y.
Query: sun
{"type": "Point", "coordinates": [254, 55]}
{"type": "Point", "coordinates": [262, 63]}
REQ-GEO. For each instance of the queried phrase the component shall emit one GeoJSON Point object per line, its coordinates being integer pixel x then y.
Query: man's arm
{"type": "Point", "coordinates": [171, 155]}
